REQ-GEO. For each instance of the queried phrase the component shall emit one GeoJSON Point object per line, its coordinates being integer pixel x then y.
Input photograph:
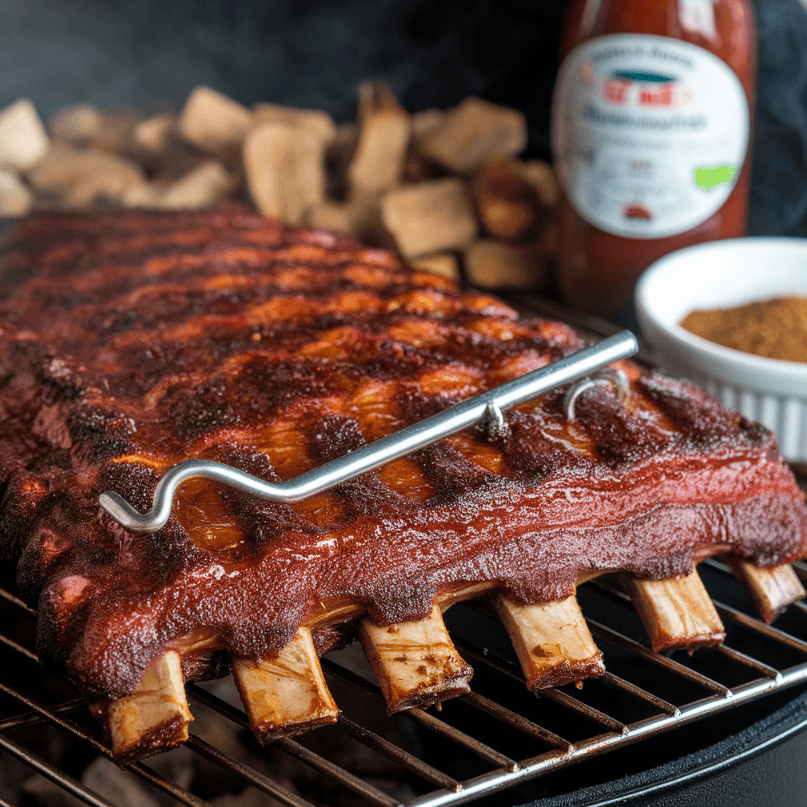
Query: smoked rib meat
{"type": "Point", "coordinates": [142, 339]}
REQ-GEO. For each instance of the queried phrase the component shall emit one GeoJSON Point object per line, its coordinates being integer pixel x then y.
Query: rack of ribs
{"type": "Point", "coordinates": [136, 340]}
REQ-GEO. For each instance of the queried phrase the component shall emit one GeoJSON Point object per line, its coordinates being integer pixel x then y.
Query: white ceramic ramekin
{"type": "Point", "coordinates": [721, 274]}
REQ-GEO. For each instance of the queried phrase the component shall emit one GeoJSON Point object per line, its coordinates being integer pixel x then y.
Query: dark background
{"type": "Point", "coordinates": [149, 54]}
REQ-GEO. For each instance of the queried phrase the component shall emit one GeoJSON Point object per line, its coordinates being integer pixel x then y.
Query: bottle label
{"type": "Point", "coordinates": [649, 134]}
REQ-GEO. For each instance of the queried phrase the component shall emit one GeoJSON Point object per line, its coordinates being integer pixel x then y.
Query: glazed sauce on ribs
{"type": "Point", "coordinates": [143, 339]}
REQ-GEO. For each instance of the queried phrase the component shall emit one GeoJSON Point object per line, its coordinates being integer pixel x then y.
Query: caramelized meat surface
{"type": "Point", "coordinates": [142, 339]}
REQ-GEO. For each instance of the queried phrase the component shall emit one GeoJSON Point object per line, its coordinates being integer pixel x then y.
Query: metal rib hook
{"type": "Point", "coordinates": [393, 446]}
{"type": "Point", "coordinates": [617, 378]}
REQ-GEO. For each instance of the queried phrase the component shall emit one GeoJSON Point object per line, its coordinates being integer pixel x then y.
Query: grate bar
{"type": "Point", "coordinates": [176, 792]}
{"type": "Point", "coordinates": [570, 702]}
{"type": "Point", "coordinates": [396, 754]}
{"type": "Point", "coordinates": [511, 670]}
{"type": "Point", "coordinates": [68, 783]}
{"type": "Point", "coordinates": [461, 738]}
{"type": "Point", "coordinates": [30, 718]}
{"type": "Point", "coordinates": [23, 651]}
{"type": "Point", "coordinates": [518, 722]}
{"type": "Point", "coordinates": [800, 568]}
{"type": "Point", "coordinates": [16, 601]}
{"type": "Point", "coordinates": [433, 723]}
{"type": "Point", "coordinates": [218, 705]}
{"type": "Point", "coordinates": [77, 731]}
{"type": "Point", "coordinates": [490, 659]}
{"type": "Point", "coordinates": [296, 750]}
{"type": "Point", "coordinates": [609, 679]}
{"type": "Point", "coordinates": [747, 661]}
{"type": "Point", "coordinates": [759, 626]}
{"type": "Point", "coordinates": [717, 565]}
{"type": "Point", "coordinates": [256, 779]}
{"type": "Point", "coordinates": [554, 695]}
{"type": "Point", "coordinates": [738, 616]}
{"type": "Point", "coordinates": [338, 773]}
{"type": "Point", "coordinates": [535, 766]}
{"type": "Point", "coordinates": [662, 661]}
{"type": "Point", "coordinates": [54, 718]}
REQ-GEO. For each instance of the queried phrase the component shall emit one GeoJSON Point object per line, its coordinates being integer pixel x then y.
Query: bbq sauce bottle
{"type": "Point", "coordinates": [651, 138]}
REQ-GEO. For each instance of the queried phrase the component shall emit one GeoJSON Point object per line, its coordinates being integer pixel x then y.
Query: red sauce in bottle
{"type": "Point", "coordinates": [651, 134]}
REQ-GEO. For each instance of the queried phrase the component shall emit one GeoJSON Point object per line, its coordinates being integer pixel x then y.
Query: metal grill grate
{"type": "Point", "coordinates": [724, 677]}
{"type": "Point", "coordinates": [499, 733]}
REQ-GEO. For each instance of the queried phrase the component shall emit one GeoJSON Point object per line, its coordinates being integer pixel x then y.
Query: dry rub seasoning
{"type": "Point", "coordinates": [775, 328]}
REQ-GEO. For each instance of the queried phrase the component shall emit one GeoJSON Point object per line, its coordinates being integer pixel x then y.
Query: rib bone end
{"type": "Point", "coordinates": [552, 642]}
{"type": "Point", "coordinates": [287, 694]}
{"type": "Point", "coordinates": [773, 590]}
{"type": "Point", "coordinates": [677, 613]}
{"type": "Point", "coordinates": [154, 717]}
{"type": "Point", "coordinates": [415, 663]}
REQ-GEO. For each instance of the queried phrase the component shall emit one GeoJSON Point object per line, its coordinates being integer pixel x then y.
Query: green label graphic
{"type": "Point", "coordinates": [709, 178]}
{"type": "Point", "coordinates": [638, 75]}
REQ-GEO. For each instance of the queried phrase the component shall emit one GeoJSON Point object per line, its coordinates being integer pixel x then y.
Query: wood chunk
{"type": "Point", "coordinates": [15, 198]}
{"type": "Point", "coordinates": [493, 264]}
{"type": "Point", "coordinates": [77, 125]}
{"type": "Point", "coordinates": [343, 146]}
{"type": "Point", "coordinates": [446, 265]}
{"type": "Point", "coordinates": [428, 217]}
{"type": "Point", "coordinates": [84, 126]}
{"type": "Point", "coordinates": [424, 123]}
{"type": "Point", "coordinates": [773, 590]}
{"type": "Point", "coordinates": [345, 139]}
{"type": "Point", "coordinates": [552, 641]}
{"type": "Point", "coordinates": [285, 173]}
{"type": "Point", "coordinates": [473, 132]}
{"type": "Point", "coordinates": [145, 196]}
{"type": "Point", "coordinates": [316, 121]}
{"type": "Point", "coordinates": [677, 613]}
{"type": "Point", "coordinates": [508, 205]}
{"type": "Point", "coordinates": [368, 224]}
{"type": "Point", "coordinates": [286, 694]}
{"type": "Point", "coordinates": [418, 167]}
{"type": "Point", "coordinates": [80, 176]}
{"type": "Point", "coordinates": [23, 139]}
{"type": "Point", "coordinates": [360, 218]}
{"type": "Point", "coordinates": [115, 135]}
{"type": "Point", "coordinates": [541, 176]}
{"type": "Point", "coordinates": [154, 135]}
{"type": "Point", "coordinates": [332, 215]}
{"type": "Point", "coordinates": [415, 663]}
{"type": "Point", "coordinates": [203, 186]}
{"type": "Point", "coordinates": [155, 716]}
{"type": "Point", "coordinates": [380, 155]}
{"type": "Point", "coordinates": [374, 95]}
{"type": "Point", "coordinates": [213, 122]}
{"type": "Point", "coordinates": [156, 144]}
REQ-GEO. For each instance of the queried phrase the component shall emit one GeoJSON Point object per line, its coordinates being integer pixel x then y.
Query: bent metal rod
{"type": "Point", "coordinates": [487, 407]}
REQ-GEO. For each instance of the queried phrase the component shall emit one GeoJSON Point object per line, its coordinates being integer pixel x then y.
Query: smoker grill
{"type": "Point", "coordinates": [499, 741]}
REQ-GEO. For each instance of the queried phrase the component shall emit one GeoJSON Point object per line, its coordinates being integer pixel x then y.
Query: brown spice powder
{"type": "Point", "coordinates": [775, 328]}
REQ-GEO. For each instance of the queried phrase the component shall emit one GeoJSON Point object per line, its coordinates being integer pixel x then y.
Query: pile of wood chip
{"type": "Point", "coordinates": [442, 187]}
